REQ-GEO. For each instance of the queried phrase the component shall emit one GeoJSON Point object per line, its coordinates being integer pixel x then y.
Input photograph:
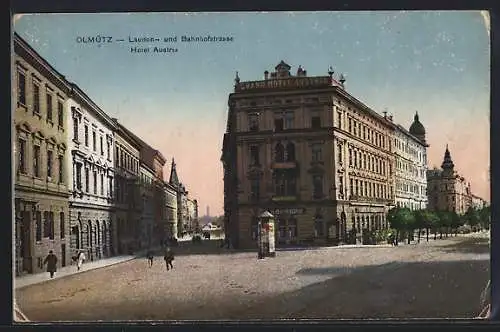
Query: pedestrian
{"type": "Point", "coordinates": [169, 258]}
{"type": "Point", "coordinates": [51, 261]}
{"type": "Point", "coordinates": [150, 256]}
{"type": "Point", "coordinates": [80, 259]}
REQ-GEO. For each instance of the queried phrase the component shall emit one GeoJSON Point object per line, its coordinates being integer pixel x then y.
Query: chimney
{"type": "Point", "coordinates": [266, 75]}
{"type": "Point", "coordinates": [390, 117]}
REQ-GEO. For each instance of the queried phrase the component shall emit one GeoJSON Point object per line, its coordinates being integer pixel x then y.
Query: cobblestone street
{"type": "Point", "coordinates": [438, 279]}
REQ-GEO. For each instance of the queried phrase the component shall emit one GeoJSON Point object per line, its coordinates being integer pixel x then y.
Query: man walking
{"type": "Point", "coordinates": [169, 258]}
{"type": "Point", "coordinates": [51, 261]}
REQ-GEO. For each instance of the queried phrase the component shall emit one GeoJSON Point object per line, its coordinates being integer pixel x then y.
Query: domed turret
{"type": "Point", "coordinates": [417, 129]}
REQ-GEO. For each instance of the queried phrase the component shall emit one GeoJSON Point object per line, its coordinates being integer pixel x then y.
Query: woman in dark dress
{"type": "Point", "coordinates": [51, 261]}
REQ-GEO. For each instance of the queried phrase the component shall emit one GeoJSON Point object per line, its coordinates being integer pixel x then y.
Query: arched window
{"type": "Point", "coordinates": [279, 153]}
{"type": "Point", "coordinates": [89, 233]}
{"type": "Point", "coordinates": [290, 152]}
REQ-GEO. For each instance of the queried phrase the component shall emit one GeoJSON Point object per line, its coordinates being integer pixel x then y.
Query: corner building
{"type": "Point", "coordinates": [447, 189]}
{"type": "Point", "coordinates": [306, 150]}
{"type": "Point", "coordinates": [40, 151]}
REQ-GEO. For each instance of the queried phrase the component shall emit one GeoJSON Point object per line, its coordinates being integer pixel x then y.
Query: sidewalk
{"type": "Point", "coordinates": [31, 279]}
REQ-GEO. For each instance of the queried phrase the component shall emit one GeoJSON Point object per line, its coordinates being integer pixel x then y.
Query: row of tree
{"type": "Point", "coordinates": [442, 222]}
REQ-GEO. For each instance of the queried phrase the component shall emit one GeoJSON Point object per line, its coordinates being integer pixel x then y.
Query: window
{"type": "Point", "coordinates": [350, 125]}
{"type": "Point", "coordinates": [319, 226]}
{"type": "Point", "coordinates": [46, 224]}
{"type": "Point", "coordinates": [110, 179]}
{"type": "Point", "coordinates": [22, 156]}
{"type": "Point", "coordinates": [38, 227]}
{"type": "Point", "coordinates": [361, 193]}
{"type": "Point", "coordinates": [36, 161]}
{"type": "Point", "coordinates": [355, 125]}
{"type": "Point", "coordinates": [79, 176]}
{"type": "Point", "coordinates": [51, 225]}
{"type": "Point", "coordinates": [278, 124]}
{"type": "Point", "coordinates": [339, 119]}
{"type": "Point", "coordinates": [254, 155]}
{"type": "Point", "coordinates": [60, 114]}
{"type": "Point", "coordinates": [317, 186]}
{"type": "Point", "coordinates": [102, 146]}
{"type": "Point", "coordinates": [350, 158]}
{"type": "Point", "coordinates": [61, 168]}
{"type": "Point", "coordinates": [62, 229]}
{"type": "Point", "coordinates": [285, 184]}
{"type": "Point", "coordinates": [279, 153]}
{"type": "Point", "coordinates": [315, 120]}
{"type": "Point", "coordinates": [75, 129]}
{"type": "Point", "coordinates": [255, 189]}
{"type": "Point", "coordinates": [339, 154]}
{"type": "Point", "coordinates": [341, 185]}
{"type": "Point", "coordinates": [87, 180]}
{"type": "Point", "coordinates": [351, 186]}
{"type": "Point", "coordinates": [108, 149]}
{"type": "Point", "coordinates": [94, 140]}
{"type": "Point", "coordinates": [49, 107]}
{"type": "Point", "coordinates": [86, 135]}
{"type": "Point", "coordinates": [117, 159]}
{"type": "Point", "coordinates": [49, 163]}
{"type": "Point", "coordinates": [21, 88]}
{"type": "Point", "coordinates": [102, 185]}
{"type": "Point", "coordinates": [36, 98]}
{"type": "Point", "coordinates": [253, 122]}
{"type": "Point", "coordinates": [289, 120]}
{"type": "Point", "coordinates": [316, 152]}
{"type": "Point", "coordinates": [95, 183]}
{"type": "Point", "coordinates": [290, 152]}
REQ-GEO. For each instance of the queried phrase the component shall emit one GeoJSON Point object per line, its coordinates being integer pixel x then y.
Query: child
{"type": "Point", "coordinates": [150, 257]}
{"type": "Point", "coordinates": [169, 258]}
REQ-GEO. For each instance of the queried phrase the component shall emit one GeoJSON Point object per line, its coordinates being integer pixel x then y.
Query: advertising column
{"type": "Point", "coordinates": [266, 235]}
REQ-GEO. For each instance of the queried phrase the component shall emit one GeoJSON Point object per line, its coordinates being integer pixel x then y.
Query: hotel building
{"type": "Point", "coordinates": [309, 152]}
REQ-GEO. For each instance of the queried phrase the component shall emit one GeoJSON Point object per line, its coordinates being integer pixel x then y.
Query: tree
{"type": "Point", "coordinates": [485, 217]}
{"type": "Point", "coordinates": [444, 222]}
{"type": "Point", "coordinates": [472, 217]}
{"type": "Point", "coordinates": [400, 219]}
{"type": "Point", "coordinates": [456, 221]}
{"type": "Point", "coordinates": [423, 220]}
{"type": "Point", "coordinates": [409, 223]}
{"type": "Point", "coordinates": [433, 222]}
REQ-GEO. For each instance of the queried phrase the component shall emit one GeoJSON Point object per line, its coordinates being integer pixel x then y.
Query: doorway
{"type": "Point", "coordinates": [25, 239]}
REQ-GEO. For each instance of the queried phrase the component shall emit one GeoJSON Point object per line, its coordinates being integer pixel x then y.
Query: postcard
{"type": "Point", "coordinates": [251, 165]}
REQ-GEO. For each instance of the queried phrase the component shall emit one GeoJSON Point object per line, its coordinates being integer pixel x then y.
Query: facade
{"type": "Point", "coordinates": [448, 190]}
{"type": "Point", "coordinates": [181, 193]}
{"type": "Point", "coordinates": [40, 146]}
{"type": "Point", "coordinates": [192, 215]}
{"type": "Point", "coordinates": [171, 210]}
{"type": "Point", "coordinates": [91, 141]}
{"type": "Point", "coordinates": [410, 149]}
{"type": "Point", "coordinates": [144, 232]}
{"type": "Point", "coordinates": [128, 204]}
{"type": "Point", "coordinates": [478, 203]}
{"type": "Point", "coordinates": [306, 150]}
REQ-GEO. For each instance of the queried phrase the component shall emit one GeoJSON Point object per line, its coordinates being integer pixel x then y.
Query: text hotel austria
{"type": "Point", "coordinates": [317, 158]}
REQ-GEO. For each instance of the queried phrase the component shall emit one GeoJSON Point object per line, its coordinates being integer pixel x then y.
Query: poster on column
{"type": "Point", "coordinates": [271, 236]}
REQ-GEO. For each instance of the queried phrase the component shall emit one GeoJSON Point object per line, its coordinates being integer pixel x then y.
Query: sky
{"type": "Point", "coordinates": [436, 63]}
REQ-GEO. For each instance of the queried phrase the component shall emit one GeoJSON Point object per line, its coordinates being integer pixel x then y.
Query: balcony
{"type": "Point", "coordinates": [284, 198]}
{"type": "Point", "coordinates": [284, 164]}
